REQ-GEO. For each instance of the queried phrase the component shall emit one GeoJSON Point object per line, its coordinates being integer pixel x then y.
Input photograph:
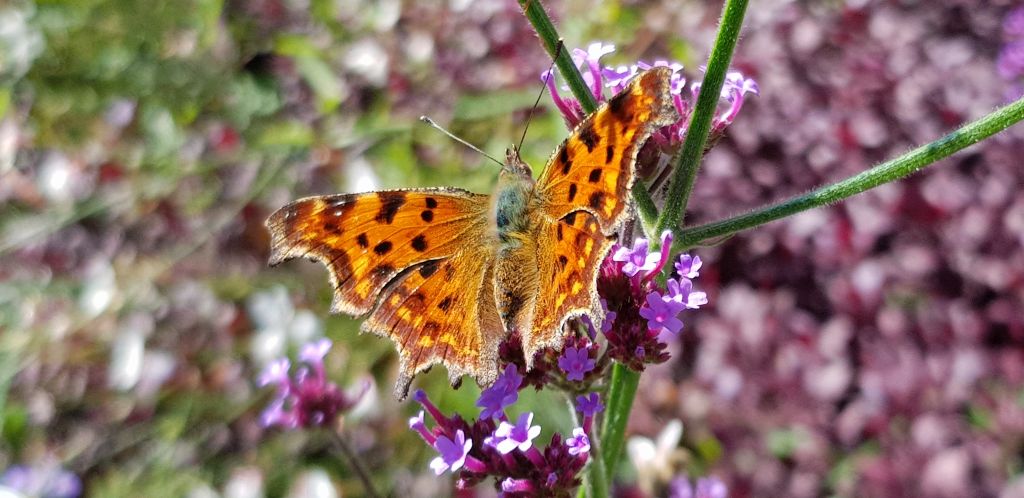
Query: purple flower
{"type": "Point", "coordinates": [1013, 23]}
{"type": "Point", "coordinates": [504, 392]}
{"type": "Point", "coordinates": [662, 315]}
{"type": "Point", "coordinates": [579, 443]}
{"type": "Point", "coordinates": [688, 267]}
{"type": "Point", "coordinates": [308, 398]}
{"type": "Point", "coordinates": [711, 487]}
{"type": "Point", "coordinates": [315, 352]}
{"type": "Point", "coordinates": [508, 437]}
{"type": "Point", "coordinates": [684, 96]}
{"type": "Point", "coordinates": [518, 486]}
{"type": "Point", "coordinates": [637, 258]}
{"type": "Point", "coordinates": [453, 453]}
{"type": "Point", "coordinates": [576, 362]}
{"type": "Point", "coordinates": [682, 293]}
{"type": "Point", "coordinates": [589, 404]}
{"type": "Point", "coordinates": [47, 480]}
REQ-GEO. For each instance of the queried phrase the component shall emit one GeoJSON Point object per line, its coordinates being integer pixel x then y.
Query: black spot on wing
{"type": "Point", "coordinates": [427, 215]}
{"type": "Point", "coordinates": [363, 241]}
{"type": "Point", "coordinates": [429, 268]}
{"type": "Point", "coordinates": [571, 218]}
{"type": "Point", "coordinates": [595, 175]}
{"type": "Point", "coordinates": [619, 106]}
{"type": "Point", "coordinates": [390, 202]}
{"type": "Point", "coordinates": [596, 201]}
{"type": "Point", "coordinates": [588, 136]}
{"type": "Point", "coordinates": [572, 191]}
{"type": "Point", "coordinates": [431, 203]}
{"type": "Point", "coordinates": [563, 157]}
{"type": "Point", "coordinates": [332, 228]}
{"type": "Point", "coordinates": [609, 154]}
{"type": "Point", "coordinates": [382, 248]}
{"type": "Point", "coordinates": [563, 260]}
{"type": "Point", "coordinates": [419, 243]}
{"type": "Point", "coordinates": [445, 304]}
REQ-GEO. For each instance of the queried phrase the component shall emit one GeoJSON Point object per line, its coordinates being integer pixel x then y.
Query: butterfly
{"type": "Point", "coordinates": [448, 274]}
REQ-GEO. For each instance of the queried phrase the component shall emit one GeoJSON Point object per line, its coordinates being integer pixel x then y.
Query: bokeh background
{"type": "Point", "coordinates": [873, 348]}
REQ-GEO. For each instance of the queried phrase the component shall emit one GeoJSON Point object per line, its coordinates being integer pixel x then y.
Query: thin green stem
{"type": "Point", "coordinates": [622, 391]}
{"type": "Point", "coordinates": [354, 463]}
{"type": "Point", "coordinates": [535, 13]}
{"type": "Point", "coordinates": [894, 169]}
{"type": "Point", "coordinates": [700, 124]}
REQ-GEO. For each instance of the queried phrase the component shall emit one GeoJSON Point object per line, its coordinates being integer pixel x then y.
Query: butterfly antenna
{"type": "Point", "coordinates": [459, 140]}
{"type": "Point", "coordinates": [548, 75]}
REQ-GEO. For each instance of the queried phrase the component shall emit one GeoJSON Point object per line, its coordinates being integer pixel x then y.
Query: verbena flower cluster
{"type": "Point", "coordinates": [306, 397]}
{"type": "Point", "coordinates": [684, 95]}
{"type": "Point", "coordinates": [641, 316]}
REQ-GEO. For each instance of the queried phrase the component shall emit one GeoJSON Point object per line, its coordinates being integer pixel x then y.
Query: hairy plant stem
{"type": "Point", "coordinates": [692, 153]}
{"type": "Point", "coordinates": [891, 170]}
{"type": "Point", "coordinates": [549, 38]}
{"type": "Point", "coordinates": [354, 463]}
{"type": "Point", "coordinates": [621, 392]}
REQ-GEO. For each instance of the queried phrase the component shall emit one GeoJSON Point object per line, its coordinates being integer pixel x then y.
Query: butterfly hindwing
{"type": "Point", "coordinates": [593, 169]}
{"type": "Point", "coordinates": [442, 311]}
{"type": "Point", "coordinates": [366, 239]}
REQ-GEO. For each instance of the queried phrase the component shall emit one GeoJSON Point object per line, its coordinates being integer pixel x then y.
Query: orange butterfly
{"type": "Point", "coordinates": [448, 274]}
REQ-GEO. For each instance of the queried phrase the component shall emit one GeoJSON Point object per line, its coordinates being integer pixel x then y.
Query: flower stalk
{"type": "Point", "coordinates": [894, 169]}
{"type": "Point", "coordinates": [692, 153]}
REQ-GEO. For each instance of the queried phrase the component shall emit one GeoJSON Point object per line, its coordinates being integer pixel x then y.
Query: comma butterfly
{"type": "Point", "coordinates": [447, 274]}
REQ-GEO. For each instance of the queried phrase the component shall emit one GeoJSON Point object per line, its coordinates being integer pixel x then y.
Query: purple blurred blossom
{"type": "Point", "coordinates": [576, 362]}
{"type": "Point", "coordinates": [46, 480]}
{"type": "Point", "coordinates": [307, 398]}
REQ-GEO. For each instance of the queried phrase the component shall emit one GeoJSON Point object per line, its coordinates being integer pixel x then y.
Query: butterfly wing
{"type": "Point", "coordinates": [403, 252]}
{"type": "Point", "coordinates": [584, 195]}
{"type": "Point", "coordinates": [593, 169]}
{"type": "Point", "coordinates": [569, 256]}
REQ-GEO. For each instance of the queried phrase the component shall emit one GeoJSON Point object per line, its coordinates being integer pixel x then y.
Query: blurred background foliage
{"type": "Point", "coordinates": [875, 348]}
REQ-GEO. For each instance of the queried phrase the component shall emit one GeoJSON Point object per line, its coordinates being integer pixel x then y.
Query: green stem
{"type": "Point", "coordinates": [535, 13]}
{"type": "Point", "coordinates": [889, 171]}
{"type": "Point", "coordinates": [700, 124]}
{"type": "Point", "coordinates": [354, 463]}
{"type": "Point", "coordinates": [621, 392]}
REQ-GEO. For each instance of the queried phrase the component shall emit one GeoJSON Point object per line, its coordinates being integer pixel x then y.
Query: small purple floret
{"type": "Point", "coordinates": [576, 362]}
{"type": "Point", "coordinates": [452, 453]}
{"type": "Point", "coordinates": [504, 392]}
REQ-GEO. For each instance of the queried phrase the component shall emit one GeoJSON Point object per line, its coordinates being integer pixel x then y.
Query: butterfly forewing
{"type": "Point", "coordinates": [593, 169]}
{"type": "Point", "coordinates": [569, 257]}
{"type": "Point", "coordinates": [367, 239]}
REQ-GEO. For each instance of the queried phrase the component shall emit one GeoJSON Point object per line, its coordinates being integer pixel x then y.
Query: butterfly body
{"type": "Point", "coordinates": [447, 274]}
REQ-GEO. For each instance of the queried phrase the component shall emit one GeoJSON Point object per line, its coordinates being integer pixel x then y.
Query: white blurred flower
{"type": "Point", "coordinates": [99, 288]}
{"type": "Point", "coordinates": [656, 460]}
{"type": "Point", "coordinates": [20, 42]}
{"type": "Point", "coordinates": [278, 324]}
{"type": "Point", "coordinates": [314, 483]}
{"type": "Point", "coordinates": [128, 351]}
{"type": "Point", "coordinates": [245, 482]}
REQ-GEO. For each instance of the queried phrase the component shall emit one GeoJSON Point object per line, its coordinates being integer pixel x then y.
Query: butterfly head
{"type": "Point", "coordinates": [514, 165]}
